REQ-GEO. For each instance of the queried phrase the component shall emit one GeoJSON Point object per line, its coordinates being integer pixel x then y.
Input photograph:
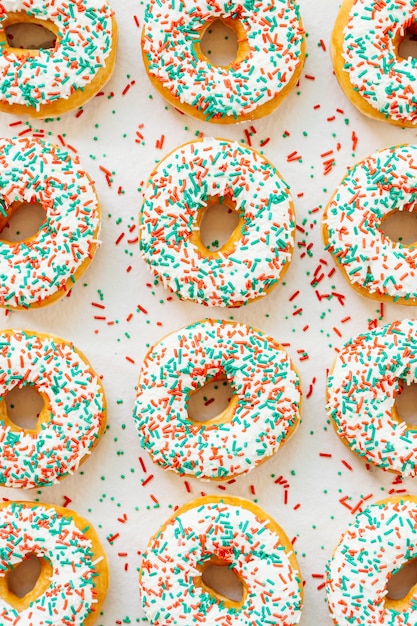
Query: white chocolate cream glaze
{"type": "Point", "coordinates": [235, 534]}
{"type": "Point", "coordinates": [380, 184]}
{"type": "Point", "coordinates": [274, 37]}
{"type": "Point", "coordinates": [35, 171]}
{"type": "Point", "coordinates": [74, 404]}
{"type": "Point", "coordinates": [181, 186]}
{"type": "Point", "coordinates": [84, 41]}
{"type": "Point", "coordinates": [51, 534]}
{"type": "Point", "coordinates": [265, 385]}
{"type": "Point", "coordinates": [362, 387]}
{"type": "Point", "coordinates": [384, 80]}
{"type": "Point", "coordinates": [378, 542]}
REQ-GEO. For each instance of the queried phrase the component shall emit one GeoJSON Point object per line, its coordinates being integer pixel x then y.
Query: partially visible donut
{"type": "Point", "coordinates": [262, 414]}
{"type": "Point", "coordinates": [71, 421]}
{"type": "Point", "coordinates": [182, 187]}
{"type": "Point", "coordinates": [373, 189]}
{"type": "Point", "coordinates": [368, 374]}
{"type": "Point", "coordinates": [50, 82]}
{"type": "Point", "coordinates": [42, 268]}
{"type": "Point", "coordinates": [365, 51]}
{"type": "Point", "coordinates": [270, 56]}
{"type": "Point", "coordinates": [377, 543]}
{"type": "Point", "coordinates": [74, 575]}
{"type": "Point", "coordinates": [230, 532]}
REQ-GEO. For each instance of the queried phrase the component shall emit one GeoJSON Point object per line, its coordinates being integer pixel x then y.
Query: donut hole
{"type": "Point", "coordinates": [406, 403]}
{"type": "Point", "coordinates": [407, 46]}
{"type": "Point", "coordinates": [219, 43]}
{"type": "Point", "coordinates": [26, 581]}
{"type": "Point", "coordinates": [28, 35]}
{"type": "Point", "coordinates": [211, 402]}
{"type": "Point", "coordinates": [219, 226]}
{"type": "Point", "coordinates": [402, 582]}
{"type": "Point", "coordinates": [24, 406]}
{"type": "Point", "coordinates": [22, 222]}
{"type": "Point", "coordinates": [219, 579]}
{"type": "Point", "coordinates": [400, 226]}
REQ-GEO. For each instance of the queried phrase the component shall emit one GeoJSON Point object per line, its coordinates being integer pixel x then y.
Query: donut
{"type": "Point", "coordinates": [72, 418]}
{"type": "Point", "coordinates": [269, 60]}
{"type": "Point", "coordinates": [377, 543]}
{"type": "Point", "coordinates": [41, 269]}
{"type": "Point", "coordinates": [74, 575]}
{"type": "Point", "coordinates": [182, 187]}
{"type": "Point", "coordinates": [261, 416]}
{"type": "Point", "coordinates": [368, 374]}
{"type": "Point", "coordinates": [51, 82]}
{"type": "Point", "coordinates": [225, 531]}
{"type": "Point", "coordinates": [365, 52]}
{"type": "Point", "coordinates": [373, 189]}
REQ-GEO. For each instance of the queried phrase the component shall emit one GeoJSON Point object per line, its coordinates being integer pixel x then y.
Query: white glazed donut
{"type": "Point", "coordinates": [181, 188]}
{"type": "Point", "coordinates": [263, 412]}
{"type": "Point", "coordinates": [270, 57]}
{"type": "Point", "coordinates": [52, 81]}
{"type": "Point", "coordinates": [71, 421]}
{"type": "Point", "coordinates": [227, 531]}
{"type": "Point", "coordinates": [377, 543]}
{"type": "Point", "coordinates": [368, 374]}
{"type": "Point", "coordinates": [74, 574]}
{"type": "Point", "coordinates": [365, 50]}
{"type": "Point", "coordinates": [373, 264]}
{"type": "Point", "coordinates": [39, 270]}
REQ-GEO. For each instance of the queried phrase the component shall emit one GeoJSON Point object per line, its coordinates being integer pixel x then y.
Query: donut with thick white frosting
{"type": "Point", "coordinates": [262, 414]}
{"type": "Point", "coordinates": [368, 374]}
{"type": "Point", "coordinates": [74, 574]}
{"type": "Point", "coordinates": [44, 267]}
{"type": "Point", "coordinates": [182, 187]}
{"type": "Point", "coordinates": [365, 51]}
{"type": "Point", "coordinates": [231, 532]}
{"type": "Point", "coordinates": [52, 81]}
{"type": "Point", "coordinates": [373, 189]}
{"type": "Point", "coordinates": [72, 418]}
{"type": "Point", "coordinates": [270, 56]}
{"type": "Point", "coordinates": [377, 543]}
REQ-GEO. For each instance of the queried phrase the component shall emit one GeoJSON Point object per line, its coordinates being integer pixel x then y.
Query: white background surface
{"type": "Point", "coordinates": [117, 310]}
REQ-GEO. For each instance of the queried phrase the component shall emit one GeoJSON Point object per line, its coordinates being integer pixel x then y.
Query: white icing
{"type": "Point", "coordinates": [384, 182]}
{"type": "Point", "coordinates": [362, 389]}
{"type": "Point", "coordinates": [378, 542]}
{"type": "Point", "coordinates": [236, 535]}
{"type": "Point", "coordinates": [75, 399]}
{"type": "Point", "coordinates": [84, 42]}
{"type": "Point", "coordinates": [45, 533]}
{"type": "Point", "coordinates": [274, 37]}
{"type": "Point", "coordinates": [36, 171]}
{"type": "Point", "coordinates": [181, 186]}
{"type": "Point", "coordinates": [386, 82]}
{"type": "Point", "coordinates": [262, 378]}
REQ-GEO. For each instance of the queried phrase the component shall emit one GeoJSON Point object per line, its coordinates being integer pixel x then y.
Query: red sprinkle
{"type": "Point", "coordinates": [67, 501]}
{"type": "Point", "coordinates": [147, 480]}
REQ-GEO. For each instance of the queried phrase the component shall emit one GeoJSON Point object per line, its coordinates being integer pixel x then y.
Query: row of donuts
{"type": "Point", "coordinates": [225, 531]}
{"type": "Point", "coordinates": [271, 52]}
{"type": "Point", "coordinates": [256, 256]}
{"type": "Point", "coordinates": [237, 534]}
{"type": "Point", "coordinates": [183, 186]}
{"type": "Point", "coordinates": [364, 382]}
